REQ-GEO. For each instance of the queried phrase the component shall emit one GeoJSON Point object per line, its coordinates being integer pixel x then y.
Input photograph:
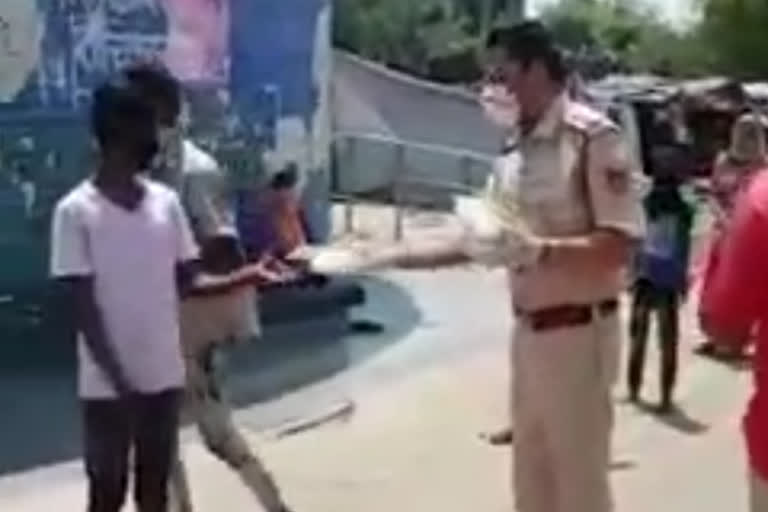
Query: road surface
{"type": "Point", "coordinates": [420, 401]}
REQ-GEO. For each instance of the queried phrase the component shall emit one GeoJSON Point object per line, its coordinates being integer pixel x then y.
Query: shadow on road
{"type": "Point", "coordinates": [291, 357]}
{"type": "Point", "coordinates": [735, 363]}
{"type": "Point", "coordinates": [40, 421]}
{"type": "Point", "coordinates": [677, 419]}
{"type": "Point", "coordinates": [622, 465]}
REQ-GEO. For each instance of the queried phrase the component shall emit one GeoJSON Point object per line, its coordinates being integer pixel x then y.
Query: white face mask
{"type": "Point", "coordinates": [500, 106]}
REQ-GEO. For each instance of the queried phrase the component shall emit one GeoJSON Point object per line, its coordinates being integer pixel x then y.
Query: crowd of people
{"type": "Point", "coordinates": [161, 277]}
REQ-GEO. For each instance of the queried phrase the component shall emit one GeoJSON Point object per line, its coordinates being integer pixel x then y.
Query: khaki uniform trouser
{"type": "Point", "coordinates": [758, 494]}
{"type": "Point", "coordinates": [206, 405]}
{"type": "Point", "coordinates": [563, 415]}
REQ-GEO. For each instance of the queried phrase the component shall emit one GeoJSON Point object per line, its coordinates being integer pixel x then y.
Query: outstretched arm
{"type": "Point", "coordinates": [421, 255]}
{"type": "Point", "coordinates": [194, 282]}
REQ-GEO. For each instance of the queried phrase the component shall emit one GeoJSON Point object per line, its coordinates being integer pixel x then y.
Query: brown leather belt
{"type": "Point", "coordinates": [569, 315]}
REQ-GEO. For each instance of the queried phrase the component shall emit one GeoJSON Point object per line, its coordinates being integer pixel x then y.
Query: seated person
{"type": "Point", "coordinates": [276, 236]}
{"type": "Point", "coordinates": [280, 231]}
{"type": "Point", "coordinates": [287, 216]}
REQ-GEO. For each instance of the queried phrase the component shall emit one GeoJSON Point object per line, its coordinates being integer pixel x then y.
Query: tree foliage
{"type": "Point", "coordinates": [631, 33]}
{"type": "Point", "coordinates": [729, 38]}
{"type": "Point", "coordinates": [401, 33]}
{"type": "Point", "coordinates": [415, 35]}
{"type": "Point", "coordinates": [424, 35]}
{"type": "Point", "coordinates": [737, 36]}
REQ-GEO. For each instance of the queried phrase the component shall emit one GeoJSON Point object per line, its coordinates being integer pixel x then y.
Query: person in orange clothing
{"type": "Point", "coordinates": [735, 300]}
{"type": "Point", "coordinates": [731, 174]}
{"type": "Point", "coordinates": [287, 218]}
{"type": "Point", "coordinates": [280, 231]}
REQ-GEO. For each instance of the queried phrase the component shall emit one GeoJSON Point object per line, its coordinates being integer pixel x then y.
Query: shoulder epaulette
{"type": "Point", "coordinates": [586, 120]}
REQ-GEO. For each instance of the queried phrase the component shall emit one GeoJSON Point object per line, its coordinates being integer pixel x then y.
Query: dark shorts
{"type": "Point", "coordinates": [147, 426]}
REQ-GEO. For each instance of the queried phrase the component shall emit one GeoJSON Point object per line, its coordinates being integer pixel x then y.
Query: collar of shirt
{"type": "Point", "coordinates": [551, 121]}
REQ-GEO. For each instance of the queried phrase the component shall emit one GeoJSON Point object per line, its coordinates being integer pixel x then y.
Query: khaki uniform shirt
{"type": "Point", "coordinates": [577, 176]}
{"type": "Point", "coordinates": [205, 194]}
{"type": "Point", "coordinates": [207, 202]}
{"type": "Point", "coordinates": [219, 319]}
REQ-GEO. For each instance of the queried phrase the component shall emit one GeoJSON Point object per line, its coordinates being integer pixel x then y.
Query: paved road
{"type": "Point", "coordinates": [424, 384]}
{"type": "Point", "coordinates": [423, 389]}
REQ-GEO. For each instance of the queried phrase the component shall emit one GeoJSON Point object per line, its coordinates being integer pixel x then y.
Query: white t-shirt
{"type": "Point", "coordinates": [131, 256]}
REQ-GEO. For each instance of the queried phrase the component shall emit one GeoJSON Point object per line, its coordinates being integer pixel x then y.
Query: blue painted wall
{"type": "Point", "coordinates": [258, 88]}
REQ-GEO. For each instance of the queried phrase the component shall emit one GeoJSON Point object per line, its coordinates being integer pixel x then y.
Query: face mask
{"type": "Point", "coordinates": [500, 106]}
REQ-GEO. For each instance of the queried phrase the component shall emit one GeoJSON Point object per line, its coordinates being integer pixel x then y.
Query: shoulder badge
{"type": "Point", "coordinates": [586, 119]}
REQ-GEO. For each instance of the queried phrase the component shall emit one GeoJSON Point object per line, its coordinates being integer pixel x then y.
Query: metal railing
{"type": "Point", "coordinates": [389, 170]}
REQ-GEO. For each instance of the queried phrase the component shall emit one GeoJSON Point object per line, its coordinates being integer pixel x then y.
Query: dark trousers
{"type": "Point", "coordinates": [146, 425]}
{"type": "Point", "coordinates": [665, 303]}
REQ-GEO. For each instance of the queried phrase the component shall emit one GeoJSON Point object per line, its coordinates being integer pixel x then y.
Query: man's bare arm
{"type": "Point", "coordinates": [223, 269]}
{"type": "Point", "coordinates": [424, 255]}
{"type": "Point", "coordinates": [194, 282]}
{"type": "Point", "coordinates": [91, 324]}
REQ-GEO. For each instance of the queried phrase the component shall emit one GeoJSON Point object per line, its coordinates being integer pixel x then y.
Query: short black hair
{"type": "Point", "coordinates": [286, 178]}
{"type": "Point", "coordinates": [119, 112]}
{"type": "Point", "coordinates": [156, 82]}
{"type": "Point", "coordinates": [528, 42]}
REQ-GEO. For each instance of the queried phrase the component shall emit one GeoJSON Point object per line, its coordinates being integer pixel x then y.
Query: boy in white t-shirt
{"type": "Point", "coordinates": [207, 321]}
{"type": "Point", "coordinates": [123, 247]}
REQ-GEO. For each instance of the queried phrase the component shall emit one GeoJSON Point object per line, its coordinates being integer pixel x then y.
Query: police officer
{"type": "Point", "coordinates": [207, 322]}
{"type": "Point", "coordinates": [577, 199]}
{"type": "Point", "coordinates": [577, 193]}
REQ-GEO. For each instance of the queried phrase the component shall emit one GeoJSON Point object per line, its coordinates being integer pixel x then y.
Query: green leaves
{"type": "Point", "coordinates": [729, 38]}
{"type": "Point", "coordinates": [633, 33]}
{"type": "Point", "coordinates": [413, 35]}
{"type": "Point", "coordinates": [736, 33]}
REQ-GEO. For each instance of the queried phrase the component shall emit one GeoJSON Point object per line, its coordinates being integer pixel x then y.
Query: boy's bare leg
{"type": "Point", "coordinates": [179, 495]}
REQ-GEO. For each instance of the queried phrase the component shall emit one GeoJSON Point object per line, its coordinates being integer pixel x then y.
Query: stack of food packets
{"type": "Point", "coordinates": [488, 219]}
